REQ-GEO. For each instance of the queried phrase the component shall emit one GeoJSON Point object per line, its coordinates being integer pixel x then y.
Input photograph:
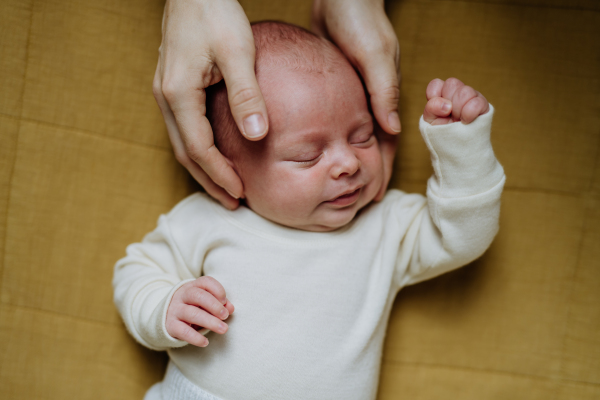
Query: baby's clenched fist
{"type": "Point", "coordinates": [200, 303]}
{"type": "Point", "coordinates": [453, 101]}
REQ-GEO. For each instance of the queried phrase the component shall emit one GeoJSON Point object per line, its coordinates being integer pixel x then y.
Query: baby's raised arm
{"type": "Point", "coordinates": [460, 216]}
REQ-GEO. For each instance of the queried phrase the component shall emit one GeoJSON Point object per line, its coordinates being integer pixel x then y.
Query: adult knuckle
{"type": "Point", "coordinates": [157, 88]}
{"type": "Point", "coordinates": [389, 44]}
{"type": "Point", "coordinates": [388, 91]}
{"type": "Point", "coordinates": [171, 88]}
{"type": "Point", "coordinates": [195, 152]}
{"type": "Point", "coordinates": [182, 157]}
{"type": "Point", "coordinates": [245, 97]}
{"type": "Point", "coordinates": [392, 91]}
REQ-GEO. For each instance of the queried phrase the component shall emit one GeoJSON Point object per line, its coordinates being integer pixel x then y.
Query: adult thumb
{"type": "Point", "coordinates": [245, 98]}
{"type": "Point", "coordinates": [383, 83]}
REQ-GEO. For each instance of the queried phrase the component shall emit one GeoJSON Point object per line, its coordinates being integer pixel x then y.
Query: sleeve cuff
{"type": "Point", "coordinates": [462, 156]}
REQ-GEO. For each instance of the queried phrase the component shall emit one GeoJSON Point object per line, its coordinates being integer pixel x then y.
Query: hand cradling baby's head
{"type": "Point", "coordinates": [320, 162]}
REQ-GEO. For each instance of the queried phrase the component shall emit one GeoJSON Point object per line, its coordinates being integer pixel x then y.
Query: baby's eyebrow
{"type": "Point", "coordinates": [364, 123]}
{"type": "Point", "coordinates": [299, 149]}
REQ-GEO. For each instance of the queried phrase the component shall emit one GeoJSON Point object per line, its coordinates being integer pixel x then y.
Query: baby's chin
{"type": "Point", "coordinates": [326, 220]}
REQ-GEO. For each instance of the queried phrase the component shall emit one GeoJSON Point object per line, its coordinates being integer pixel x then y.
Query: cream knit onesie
{"type": "Point", "coordinates": [311, 308]}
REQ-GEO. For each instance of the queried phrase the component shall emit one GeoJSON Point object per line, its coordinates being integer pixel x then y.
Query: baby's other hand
{"type": "Point", "coordinates": [453, 101]}
{"type": "Point", "coordinates": [200, 303]}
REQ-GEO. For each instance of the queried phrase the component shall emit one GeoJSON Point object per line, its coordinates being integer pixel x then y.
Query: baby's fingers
{"type": "Point", "coordinates": [212, 286]}
{"type": "Point", "coordinates": [473, 108]}
{"type": "Point", "coordinates": [434, 89]}
{"type": "Point", "coordinates": [437, 110]}
{"type": "Point", "coordinates": [201, 298]}
{"type": "Point", "coordinates": [195, 316]}
{"type": "Point", "coordinates": [229, 307]}
{"type": "Point", "coordinates": [461, 96]}
{"type": "Point", "coordinates": [183, 331]}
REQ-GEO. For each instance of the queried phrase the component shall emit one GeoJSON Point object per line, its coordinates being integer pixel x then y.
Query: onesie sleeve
{"type": "Point", "coordinates": [460, 217]}
{"type": "Point", "coordinates": [144, 282]}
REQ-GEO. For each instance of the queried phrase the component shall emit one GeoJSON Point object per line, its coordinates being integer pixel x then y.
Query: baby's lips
{"type": "Point", "coordinates": [346, 193]}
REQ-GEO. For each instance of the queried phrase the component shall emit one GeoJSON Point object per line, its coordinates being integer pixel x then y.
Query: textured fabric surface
{"type": "Point", "coordinates": [86, 167]}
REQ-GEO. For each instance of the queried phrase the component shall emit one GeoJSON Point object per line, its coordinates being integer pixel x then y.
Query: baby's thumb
{"type": "Point", "coordinates": [245, 98]}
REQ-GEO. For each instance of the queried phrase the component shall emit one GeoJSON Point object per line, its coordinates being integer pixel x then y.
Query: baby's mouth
{"type": "Point", "coordinates": [346, 199]}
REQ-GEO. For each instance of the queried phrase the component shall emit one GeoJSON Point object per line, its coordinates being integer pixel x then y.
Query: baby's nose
{"type": "Point", "coordinates": [346, 163]}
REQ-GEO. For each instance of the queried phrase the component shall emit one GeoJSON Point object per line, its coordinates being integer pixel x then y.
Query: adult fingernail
{"type": "Point", "coordinates": [232, 195]}
{"type": "Point", "coordinates": [394, 121]}
{"type": "Point", "coordinates": [446, 107]}
{"type": "Point", "coordinates": [254, 126]}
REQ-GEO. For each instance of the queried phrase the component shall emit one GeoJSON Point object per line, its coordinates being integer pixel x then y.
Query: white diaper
{"type": "Point", "coordinates": [175, 386]}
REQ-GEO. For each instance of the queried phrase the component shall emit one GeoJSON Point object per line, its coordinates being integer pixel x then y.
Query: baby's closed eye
{"type": "Point", "coordinates": [364, 139]}
{"type": "Point", "coordinates": [306, 159]}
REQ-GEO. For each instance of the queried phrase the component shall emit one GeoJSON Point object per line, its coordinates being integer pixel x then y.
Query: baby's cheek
{"type": "Point", "coordinates": [294, 192]}
{"type": "Point", "coordinates": [374, 165]}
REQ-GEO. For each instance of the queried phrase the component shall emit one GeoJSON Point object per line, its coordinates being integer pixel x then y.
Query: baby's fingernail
{"type": "Point", "coordinates": [223, 326]}
{"type": "Point", "coordinates": [394, 121]}
{"type": "Point", "coordinates": [224, 313]}
{"type": "Point", "coordinates": [254, 126]}
{"type": "Point", "coordinates": [205, 342]}
{"type": "Point", "coordinates": [446, 107]}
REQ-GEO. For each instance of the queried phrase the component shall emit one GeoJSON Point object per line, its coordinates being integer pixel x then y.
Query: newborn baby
{"type": "Point", "coordinates": [311, 263]}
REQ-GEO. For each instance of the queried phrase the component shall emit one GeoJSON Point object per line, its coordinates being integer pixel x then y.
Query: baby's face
{"type": "Point", "coordinates": [320, 162]}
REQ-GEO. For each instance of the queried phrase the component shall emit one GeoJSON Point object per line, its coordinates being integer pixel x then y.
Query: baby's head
{"type": "Point", "coordinates": [320, 162]}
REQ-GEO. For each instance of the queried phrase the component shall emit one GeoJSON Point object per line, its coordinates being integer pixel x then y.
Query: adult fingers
{"type": "Point", "coordinates": [245, 98]}
{"type": "Point", "coordinates": [191, 137]}
{"type": "Point", "coordinates": [387, 146]}
{"type": "Point", "coordinates": [211, 187]}
{"type": "Point", "coordinates": [365, 35]}
{"type": "Point", "coordinates": [437, 108]}
{"type": "Point", "coordinates": [381, 77]}
{"type": "Point", "coordinates": [189, 109]}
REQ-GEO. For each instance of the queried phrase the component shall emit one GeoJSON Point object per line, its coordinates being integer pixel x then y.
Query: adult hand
{"type": "Point", "coordinates": [203, 42]}
{"type": "Point", "coordinates": [365, 35]}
